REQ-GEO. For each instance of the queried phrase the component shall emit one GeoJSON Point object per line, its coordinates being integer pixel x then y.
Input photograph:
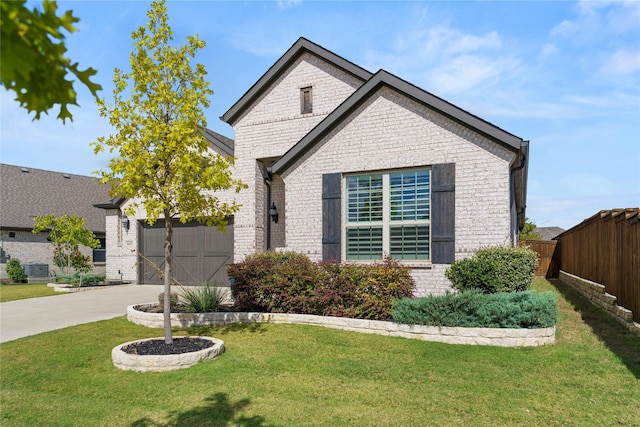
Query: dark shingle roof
{"type": "Point", "coordinates": [27, 192]}
{"type": "Point", "coordinates": [549, 233]}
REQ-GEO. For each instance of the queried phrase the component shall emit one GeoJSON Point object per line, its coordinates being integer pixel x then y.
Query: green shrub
{"type": "Point", "coordinates": [498, 269]}
{"type": "Point", "coordinates": [472, 308]}
{"type": "Point", "coordinates": [288, 282]}
{"type": "Point", "coordinates": [15, 271]}
{"type": "Point", "coordinates": [80, 280]}
{"type": "Point", "coordinates": [201, 299]}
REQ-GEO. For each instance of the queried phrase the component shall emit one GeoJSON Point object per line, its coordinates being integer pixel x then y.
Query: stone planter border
{"type": "Point", "coordinates": [500, 337]}
{"type": "Point", "coordinates": [163, 363]}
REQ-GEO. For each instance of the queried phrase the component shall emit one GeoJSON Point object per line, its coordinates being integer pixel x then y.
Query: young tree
{"type": "Point", "coordinates": [67, 234]}
{"type": "Point", "coordinates": [164, 163]}
{"type": "Point", "coordinates": [529, 232]}
{"type": "Point", "coordinates": [33, 64]}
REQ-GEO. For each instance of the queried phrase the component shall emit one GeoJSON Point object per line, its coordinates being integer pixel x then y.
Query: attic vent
{"type": "Point", "coordinates": [66, 175]}
{"type": "Point", "coordinates": [25, 170]}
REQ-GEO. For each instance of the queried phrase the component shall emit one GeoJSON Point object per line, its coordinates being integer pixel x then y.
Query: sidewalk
{"type": "Point", "coordinates": [36, 315]}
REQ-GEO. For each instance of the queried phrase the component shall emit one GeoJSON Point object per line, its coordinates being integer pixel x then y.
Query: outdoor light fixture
{"type": "Point", "coordinates": [125, 222]}
{"type": "Point", "coordinates": [273, 212]}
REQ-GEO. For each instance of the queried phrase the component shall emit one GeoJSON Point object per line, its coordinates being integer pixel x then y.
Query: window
{"type": "Point", "coordinates": [306, 100]}
{"type": "Point", "coordinates": [388, 213]}
{"type": "Point", "coordinates": [100, 254]}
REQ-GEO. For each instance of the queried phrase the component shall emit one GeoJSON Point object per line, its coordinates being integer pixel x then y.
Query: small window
{"type": "Point", "coordinates": [12, 234]}
{"type": "Point", "coordinates": [306, 100]}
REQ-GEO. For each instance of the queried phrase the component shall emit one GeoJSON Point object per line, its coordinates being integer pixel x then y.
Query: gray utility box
{"type": "Point", "coordinates": [36, 270]}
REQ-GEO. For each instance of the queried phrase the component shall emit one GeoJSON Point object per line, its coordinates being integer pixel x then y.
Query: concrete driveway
{"type": "Point", "coordinates": [36, 315]}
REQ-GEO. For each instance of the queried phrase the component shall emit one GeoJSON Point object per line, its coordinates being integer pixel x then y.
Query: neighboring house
{"type": "Point", "coordinates": [358, 165]}
{"type": "Point", "coordinates": [26, 193]}
{"type": "Point", "coordinates": [548, 233]}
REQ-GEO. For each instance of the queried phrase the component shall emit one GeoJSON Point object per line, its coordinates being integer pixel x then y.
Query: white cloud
{"type": "Point", "coordinates": [622, 62]}
{"type": "Point", "coordinates": [286, 4]}
{"type": "Point", "coordinates": [549, 49]}
{"type": "Point", "coordinates": [468, 71]}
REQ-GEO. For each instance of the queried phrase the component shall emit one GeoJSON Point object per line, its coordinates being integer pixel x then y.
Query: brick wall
{"type": "Point", "coordinates": [35, 248]}
{"type": "Point", "coordinates": [389, 132]}
{"type": "Point", "coordinates": [270, 127]}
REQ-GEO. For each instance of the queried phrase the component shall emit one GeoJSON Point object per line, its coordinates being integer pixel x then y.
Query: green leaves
{"type": "Point", "coordinates": [163, 161]}
{"type": "Point", "coordinates": [33, 62]}
{"type": "Point", "coordinates": [67, 232]}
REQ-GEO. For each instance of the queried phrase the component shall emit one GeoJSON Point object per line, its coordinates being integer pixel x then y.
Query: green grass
{"type": "Point", "coordinates": [20, 291]}
{"type": "Point", "coordinates": [295, 375]}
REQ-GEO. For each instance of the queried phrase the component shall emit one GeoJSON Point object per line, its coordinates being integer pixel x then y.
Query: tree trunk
{"type": "Point", "coordinates": [168, 247]}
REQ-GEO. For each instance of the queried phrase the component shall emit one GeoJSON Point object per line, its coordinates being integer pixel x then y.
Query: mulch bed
{"type": "Point", "coordinates": [157, 347]}
{"type": "Point", "coordinates": [176, 308]}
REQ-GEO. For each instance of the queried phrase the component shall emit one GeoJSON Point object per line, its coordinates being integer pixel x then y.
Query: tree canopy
{"type": "Point", "coordinates": [529, 232]}
{"type": "Point", "coordinates": [33, 64]}
{"type": "Point", "coordinates": [163, 163]}
{"type": "Point", "coordinates": [67, 233]}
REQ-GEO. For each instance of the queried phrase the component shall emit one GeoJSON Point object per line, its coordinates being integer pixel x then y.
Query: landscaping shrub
{"type": "Point", "coordinates": [498, 269]}
{"type": "Point", "coordinates": [80, 280]}
{"type": "Point", "coordinates": [15, 271]}
{"type": "Point", "coordinates": [288, 282]}
{"type": "Point", "coordinates": [201, 299]}
{"type": "Point", "coordinates": [472, 308]}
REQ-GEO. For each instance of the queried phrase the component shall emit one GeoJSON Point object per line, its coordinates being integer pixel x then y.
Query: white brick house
{"type": "Point", "coordinates": [360, 165]}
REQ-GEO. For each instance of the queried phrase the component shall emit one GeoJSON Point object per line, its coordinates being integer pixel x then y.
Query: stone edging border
{"type": "Point", "coordinates": [499, 337]}
{"type": "Point", "coordinates": [597, 295]}
{"type": "Point", "coordinates": [163, 363]}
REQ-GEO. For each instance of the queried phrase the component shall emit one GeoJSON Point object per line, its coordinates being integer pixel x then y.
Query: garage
{"type": "Point", "coordinates": [200, 253]}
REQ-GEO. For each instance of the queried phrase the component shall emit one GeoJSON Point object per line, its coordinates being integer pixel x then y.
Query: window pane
{"type": "Point", "coordinates": [409, 242]}
{"type": "Point", "coordinates": [364, 243]}
{"type": "Point", "coordinates": [364, 198]}
{"type": "Point", "coordinates": [409, 195]}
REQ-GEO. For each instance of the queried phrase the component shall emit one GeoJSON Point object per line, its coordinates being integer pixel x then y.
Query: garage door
{"type": "Point", "coordinates": [200, 253]}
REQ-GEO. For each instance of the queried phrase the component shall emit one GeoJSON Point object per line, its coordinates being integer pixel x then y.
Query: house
{"type": "Point", "coordinates": [26, 193]}
{"type": "Point", "coordinates": [347, 165]}
{"type": "Point", "coordinates": [548, 233]}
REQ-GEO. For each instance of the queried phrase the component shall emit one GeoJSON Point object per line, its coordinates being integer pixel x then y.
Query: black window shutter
{"type": "Point", "coordinates": [331, 221]}
{"type": "Point", "coordinates": [443, 203]}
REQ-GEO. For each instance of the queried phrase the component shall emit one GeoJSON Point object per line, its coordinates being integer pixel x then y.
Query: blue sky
{"type": "Point", "coordinates": [563, 75]}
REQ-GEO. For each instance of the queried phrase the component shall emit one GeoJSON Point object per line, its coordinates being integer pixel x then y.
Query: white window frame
{"type": "Point", "coordinates": [386, 222]}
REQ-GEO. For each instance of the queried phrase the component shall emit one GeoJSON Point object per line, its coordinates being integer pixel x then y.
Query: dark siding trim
{"type": "Point", "coordinates": [443, 203]}
{"type": "Point", "coordinates": [331, 218]}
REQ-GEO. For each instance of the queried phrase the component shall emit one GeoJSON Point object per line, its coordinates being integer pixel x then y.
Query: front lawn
{"type": "Point", "coordinates": [295, 375]}
{"type": "Point", "coordinates": [24, 291]}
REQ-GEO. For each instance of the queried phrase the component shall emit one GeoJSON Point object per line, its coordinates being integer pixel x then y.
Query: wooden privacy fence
{"type": "Point", "coordinates": [549, 255]}
{"type": "Point", "coordinates": [606, 249]}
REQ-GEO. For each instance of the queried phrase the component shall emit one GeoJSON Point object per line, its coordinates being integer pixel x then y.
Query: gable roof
{"type": "Point", "coordinates": [383, 78]}
{"type": "Point", "coordinates": [27, 192]}
{"type": "Point", "coordinates": [300, 47]}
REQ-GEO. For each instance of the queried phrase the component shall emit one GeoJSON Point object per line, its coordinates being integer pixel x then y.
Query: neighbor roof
{"type": "Point", "coordinates": [299, 48]}
{"type": "Point", "coordinates": [548, 233]}
{"type": "Point", "coordinates": [27, 192]}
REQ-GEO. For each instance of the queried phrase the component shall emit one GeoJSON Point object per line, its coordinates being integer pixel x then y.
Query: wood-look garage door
{"type": "Point", "coordinates": [200, 253]}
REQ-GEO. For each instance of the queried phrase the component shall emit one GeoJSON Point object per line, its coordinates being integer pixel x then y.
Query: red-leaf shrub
{"type": "Point", "coordinates": [288, 282]}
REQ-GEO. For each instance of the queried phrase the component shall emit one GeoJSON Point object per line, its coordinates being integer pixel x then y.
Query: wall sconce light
{"type": "Point", "coordinates": [273, 212]}
{"type": "Point", "coordinates": [125, 222]}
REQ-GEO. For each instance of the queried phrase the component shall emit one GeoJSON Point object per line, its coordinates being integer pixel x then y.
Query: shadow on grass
{"type": "Point", "coordinates": [616, 337]}
{"type": "Point", "coordinates": [218, 411]}
{"type": "Point", "coordinates": [255, 328]}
